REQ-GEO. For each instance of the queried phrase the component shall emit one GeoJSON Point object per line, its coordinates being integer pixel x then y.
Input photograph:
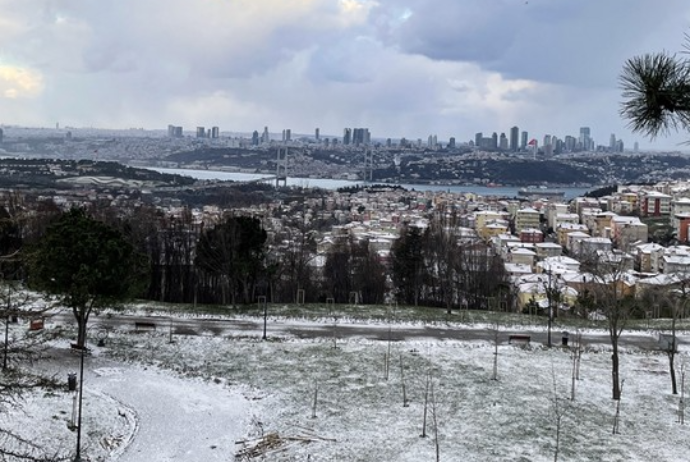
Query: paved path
{"type": "Point", "coordinates": [314, 330]}
{"type": "Point", "coordinates": [177, 419]}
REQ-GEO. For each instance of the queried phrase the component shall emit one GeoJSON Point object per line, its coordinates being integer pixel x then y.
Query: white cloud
{"type": "Point", "coordinates": [17, 82]}
{"type": "Point", "coordinates": [401, 67]}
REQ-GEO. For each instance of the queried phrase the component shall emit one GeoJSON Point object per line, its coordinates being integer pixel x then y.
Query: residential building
{"type": "Point", "coordinates": [527, 218]}
{"type": "Point", "coordinates": [567, 228]}
{"type": "Point", "coordinates": [655, 204]}
{"type": "Point", "coordinates": [649, 257]}
{"type": "Point", "coordinates": [531, 235]}
{"type": "Point", "coordinates": [626, 231]}
{"type": "Point", "coordinates": [547, 249]}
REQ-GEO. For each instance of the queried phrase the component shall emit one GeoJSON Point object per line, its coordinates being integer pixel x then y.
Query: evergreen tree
{"type": "Point", "coordinates": [656, 92]}
{"type": "Point", "coordinates": [87, 263]}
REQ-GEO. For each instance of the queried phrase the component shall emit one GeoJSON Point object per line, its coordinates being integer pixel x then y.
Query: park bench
{"type": "Point", "coordinates": [144, 325]}
{"type": "Point", "coordinates": [519, 339]}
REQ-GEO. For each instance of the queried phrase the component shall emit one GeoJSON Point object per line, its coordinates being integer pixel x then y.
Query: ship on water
{"type": "Point", "coordinates": [541, 192]}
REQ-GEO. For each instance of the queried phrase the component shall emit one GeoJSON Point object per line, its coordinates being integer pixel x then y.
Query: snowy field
{"type": "Point", "coordinates": [146, 399]}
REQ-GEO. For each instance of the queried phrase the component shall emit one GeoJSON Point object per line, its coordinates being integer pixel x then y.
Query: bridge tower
{"type": "Point", "coordinates": [368, 165]}
{"type": "Point", "coordinates": [281, 167]}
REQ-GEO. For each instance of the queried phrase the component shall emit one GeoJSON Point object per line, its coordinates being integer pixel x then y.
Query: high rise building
{"type": "Point", "coordinates": [478, 139]}
{"type": "Point", "coordinates": [178, 132]}
{"type": "Point", "coordinates": [359, 136]}
{"type": "Point", "coordinates": [316, 134]}
{"type": "Point", "coordinates": [451, 143]}
{"type": "Point", "coordinates": [570, 143]}
{"type": "Point", "coordinates": [636, 146]}
{"type": "Point", "coordinates": [347, 136]}
{"type": "Point", "coordinates": [215, 133]}
{"type": "Point", "coordinates": [494, 140]}
{"type": "Point", "coordinates": [255, 138]}
{"type": "Point", "coordinates": [265, 138]}
{"type": "Point", "coordinates": [2, 134]}
{"type": "Point", "coordinates": [612, 142]}
{"type": "Point", "coordinates": [503, 142]}
{"type": "Point", "coordinates": [547, 141]}
{"type": "Point", "coordinates": [523, 140]}
{"type": "Point", "coordinates": [585, 138]}
{"type": "Point", "coordinates": [200, 132]}
{"type": "Point", "coordinates": [514, 137]}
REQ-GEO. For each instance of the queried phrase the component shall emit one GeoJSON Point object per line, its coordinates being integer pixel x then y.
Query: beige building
{"type": "Point", "coordinates": [527, 218]}
{"type": "Point", "coordinates": [484, 217]}
{"type": "Point", "coordinates": [649, 257]}
{"type": "Point", "coordinates": [521, 256]}
{"type": "Point", "coordinates": [553, 210]}
{"type": "Point", "coordinates": [563, 231]}
{"type": "Point", "coordinates": [627, 231]}
{"type": "Point", "coordinates": [547, 249]}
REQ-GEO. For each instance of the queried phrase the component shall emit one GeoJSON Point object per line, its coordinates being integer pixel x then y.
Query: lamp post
{"type": "Point", "coordinates": [77, 457]}
{"type": "Point", "coordinates": [265, 317]}
{"type": "Point", "coordinates": [7, 328]}
{"type": "Point", "coordinates": [549, 294]}
{"type": "Point", "coordinates": [7, 332]}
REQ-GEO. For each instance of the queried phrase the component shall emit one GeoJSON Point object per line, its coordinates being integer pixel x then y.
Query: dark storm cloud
{"type": "Point", "coordinates": [579, 43]}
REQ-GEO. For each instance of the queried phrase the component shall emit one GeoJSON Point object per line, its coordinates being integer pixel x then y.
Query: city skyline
{"type": "Point", "coordinates": [397, 67]}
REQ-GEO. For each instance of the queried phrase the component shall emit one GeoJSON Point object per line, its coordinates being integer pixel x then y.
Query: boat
{"type": "Point", "coordinates": [541, 191]}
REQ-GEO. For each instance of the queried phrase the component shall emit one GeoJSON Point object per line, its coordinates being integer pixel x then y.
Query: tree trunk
{"type": "Point", "coordinates": [615, 366]}
{"type": "Point", "coordinates": [81, 330]}
{"type": "Point", "coordinates": [672, 369]}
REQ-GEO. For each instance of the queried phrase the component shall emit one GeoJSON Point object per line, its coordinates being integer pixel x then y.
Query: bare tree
{"type": "Point", "coordinates": [434, 422]}
{"type": "Point", "coordinates": [426, 403]}
{"type": "Point", "coordinates": [611, 288]}
{"type": "Point", "coordinates": [669, 300]}
{"type": "Point", "coordinates": [558, 410]}
{"type": "Point", "coordinates": [402, 382]}
{"type": "Point", "coordinates": [497, 326]}
{"type": "Point", "coordinates": [616, 418]}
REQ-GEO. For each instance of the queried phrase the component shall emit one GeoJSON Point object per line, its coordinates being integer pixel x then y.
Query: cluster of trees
{"type": "Point", "coordinates": [97, 257]}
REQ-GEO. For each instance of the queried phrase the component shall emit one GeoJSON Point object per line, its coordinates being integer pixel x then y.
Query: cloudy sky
{"type": "Point", "coordinates": [400, 67]}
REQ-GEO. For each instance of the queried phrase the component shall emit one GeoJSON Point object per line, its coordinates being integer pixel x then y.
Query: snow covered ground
{"type": "Point", "coordinates": [148, 399]}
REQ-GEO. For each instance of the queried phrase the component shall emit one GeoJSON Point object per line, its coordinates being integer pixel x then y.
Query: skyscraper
{"type": "Point", "coordinates": [200, 132]}
{"type": "Point", "coordinates": [503, 142]}
{"type": "Point", "coordinates": [347, 136]}
{"type": "Point", "coordinates": [523, 140]}
{"type": "Point", "coordinates": [478, 139]}
{"type": "Point", "coordinates": [316, 134]}
{"type": "Point", "coordinates": [585, 138]}
{"type": "Point", "coordinates": [265, 137]}
{"type": "Point", "coordinates": [215, 132]}
{"type": "Point", "coordinates": [494, 140]}
{"type": "Point", "coordinates": [514, 136]}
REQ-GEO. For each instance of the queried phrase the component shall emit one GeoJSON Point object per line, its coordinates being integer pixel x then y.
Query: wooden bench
{"type": "Point", "coordinates": [144, 325]}
{"type": "Point", "coordinates": [519, 339]}
{"type": "Point", "coordinates": [76, 348]}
